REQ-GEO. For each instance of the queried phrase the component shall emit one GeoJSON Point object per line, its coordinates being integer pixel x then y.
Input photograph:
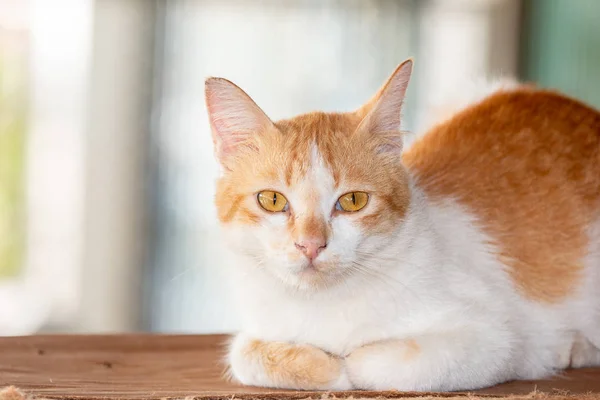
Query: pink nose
{"type": "Point", "coordinates": [311, 247]}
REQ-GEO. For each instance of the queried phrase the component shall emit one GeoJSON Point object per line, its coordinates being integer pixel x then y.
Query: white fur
{"type": "Point", "coordinates": [435, 280]}
{"type": "Point", "coordinates": [446, 291]}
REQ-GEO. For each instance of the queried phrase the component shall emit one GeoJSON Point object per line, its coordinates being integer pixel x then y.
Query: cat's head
{"type": "Point", "coordinates": [315, 198]}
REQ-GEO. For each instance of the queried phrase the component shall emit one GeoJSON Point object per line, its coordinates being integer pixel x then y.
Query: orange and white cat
{"type": "Point", "coordinates": [470, 259]}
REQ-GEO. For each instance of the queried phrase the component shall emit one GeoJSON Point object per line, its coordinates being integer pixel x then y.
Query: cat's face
{"type": "Point", "coordinates": [311, 199]}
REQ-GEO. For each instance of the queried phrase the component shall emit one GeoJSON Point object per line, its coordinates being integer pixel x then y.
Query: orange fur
{"type": "Point", "coordinates": [412, 349]}
{"type": "Point", "coordinates": [361, 150]}
{"type": "Point", "coordinates": [299, 366]}
{"type": "Point", "coordinates": [311, 226]}
{"type": "Point", "coordinates": [404, 350]}
{"type": "Point", "coordinates": [527, 163]}
{"type": "Point", "coordinates": [284, 155]}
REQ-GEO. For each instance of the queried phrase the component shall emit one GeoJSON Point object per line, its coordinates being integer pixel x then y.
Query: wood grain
{"type": "Point", "coordinates": [132, 367]}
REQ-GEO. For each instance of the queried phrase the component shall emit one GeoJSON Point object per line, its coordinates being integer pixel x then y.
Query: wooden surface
{"type": "Point", "coordinates": [152, 367]}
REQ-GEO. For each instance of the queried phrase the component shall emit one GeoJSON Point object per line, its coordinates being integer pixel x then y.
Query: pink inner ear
{"type": "Point", "coordinates": [383, 112]}
{"type": "Point", "coordinates": [234, 116]}
{"type": "Point", "coordinates": [386, 113]}
{"type": "Point", "coordinates": [229, 146]}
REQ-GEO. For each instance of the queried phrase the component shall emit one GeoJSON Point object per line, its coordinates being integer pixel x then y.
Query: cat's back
{"type": "Point", "coordinates": [526, 164]}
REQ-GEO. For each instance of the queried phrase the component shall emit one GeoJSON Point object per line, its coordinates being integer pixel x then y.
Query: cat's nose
{"type": "Point", "coordinates": [311, 247]}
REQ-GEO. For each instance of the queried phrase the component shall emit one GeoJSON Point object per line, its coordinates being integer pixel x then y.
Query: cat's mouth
{"type": "Point", "coordinates": [309, 270]}
{"type": "Point", "coordinates": [311, 267]}
{"type": "Point", "coordinates": [316, 275]}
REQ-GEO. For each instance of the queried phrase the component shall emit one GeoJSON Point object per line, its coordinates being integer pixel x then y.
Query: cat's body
{"type": "Point", "coordinates": [475, 261]}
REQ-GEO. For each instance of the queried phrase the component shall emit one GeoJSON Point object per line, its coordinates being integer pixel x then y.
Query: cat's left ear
{"type": "Point", "coordinates": [381, 115]}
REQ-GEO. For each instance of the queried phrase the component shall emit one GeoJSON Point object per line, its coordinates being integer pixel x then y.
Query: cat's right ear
{"type": "Point", "coordinates": [382, 114]}
{"type": "Point", "coordinates": [234, 118]}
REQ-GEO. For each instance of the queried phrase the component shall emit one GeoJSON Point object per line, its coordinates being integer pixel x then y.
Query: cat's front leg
{"type": "Point", "coordinates": [285, 365]}
{"type": "Point", "coordinates": [444, 362]}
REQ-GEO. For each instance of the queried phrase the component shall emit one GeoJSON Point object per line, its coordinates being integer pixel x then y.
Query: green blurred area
{"type": "Point", "coordinates": [12, 168]}
{"type": "Point", "coordinates": [561, 46]}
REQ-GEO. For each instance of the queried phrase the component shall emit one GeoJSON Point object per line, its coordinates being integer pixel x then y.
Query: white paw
{"type": "Point", "coordinates": [243, 369]}
{"type": "Point", "coordinates": [343, 382]}
{"type": "Point", "coordinates": [369, 368]}
{"type": "Point", "coordinates": [584, 353]}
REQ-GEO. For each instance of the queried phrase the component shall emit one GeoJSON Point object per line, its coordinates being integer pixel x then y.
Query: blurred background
{"type": "Point", "coordinates": [106, 168]}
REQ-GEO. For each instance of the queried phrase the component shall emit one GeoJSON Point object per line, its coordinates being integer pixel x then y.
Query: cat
{"type": "Point", "coordinates": [470, 259]}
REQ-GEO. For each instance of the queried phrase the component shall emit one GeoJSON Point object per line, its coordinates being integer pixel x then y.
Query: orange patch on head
{"type": "Point", "coordinates": [230, 208]}
{"type": "Point", "coordinates": [361, 149]}
{"type": "Point", "coordinates": [356, 162]}
{"type": "Point", "coordinates": [526, 162]}
{"type": "Point", "coordinates": [295, 365]}
{"type": "Point", "coordinates": [310, 227]}
{"type": "Point", "coordinates": [352, 159]}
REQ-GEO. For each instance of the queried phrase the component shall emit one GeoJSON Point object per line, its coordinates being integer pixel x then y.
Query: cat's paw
{"type": "Point", "coordinates": [286, 365]}
{"type": "Point", "coordinates": [383, 365]}
{"type": "Point", "coordinates": [584, 353]}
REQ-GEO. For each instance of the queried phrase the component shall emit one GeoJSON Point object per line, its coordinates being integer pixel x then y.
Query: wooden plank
{"type": "Point", "coordinates": [144, 366]}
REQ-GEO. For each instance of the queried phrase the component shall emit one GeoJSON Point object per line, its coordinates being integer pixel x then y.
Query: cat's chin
{"type": "Point", "coordinates": [311, 278]}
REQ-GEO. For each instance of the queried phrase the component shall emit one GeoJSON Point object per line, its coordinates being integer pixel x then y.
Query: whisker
{"type": "Point", "coordinates": [382, 276]}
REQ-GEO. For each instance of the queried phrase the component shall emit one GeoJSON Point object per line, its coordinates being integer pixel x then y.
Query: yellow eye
{"type": "Point", "coordinates": [353, 201]}
{"type": "Point", "coordinates": [272, 201]}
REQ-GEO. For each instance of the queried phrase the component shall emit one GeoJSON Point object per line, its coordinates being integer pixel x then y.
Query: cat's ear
{"type": "Point", "coordinates": [382, 113]}
{"type": "Point", "coordinates": [234, 118]}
